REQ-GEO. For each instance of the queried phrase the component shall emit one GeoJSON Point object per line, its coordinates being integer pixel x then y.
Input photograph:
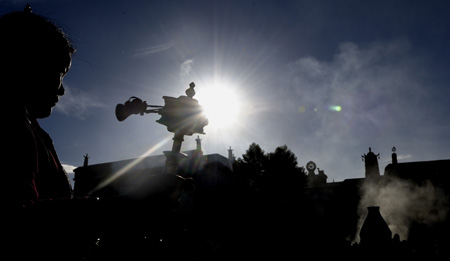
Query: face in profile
{"type": "Point", "coordinates": [46, 87]}
{"type": "Point", "coordinates": [36, 55]}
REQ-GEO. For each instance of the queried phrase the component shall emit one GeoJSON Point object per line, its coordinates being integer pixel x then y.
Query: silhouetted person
{"type": "Point", "coordinates": [40, 217]}
{"type": "Point", "coordinates": [35, 193]}
{"type": "Point", "coordinates": [34, 58]}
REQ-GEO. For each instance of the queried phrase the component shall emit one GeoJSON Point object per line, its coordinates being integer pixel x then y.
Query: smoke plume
{"type": "Point", "coordinates": [401, 203]}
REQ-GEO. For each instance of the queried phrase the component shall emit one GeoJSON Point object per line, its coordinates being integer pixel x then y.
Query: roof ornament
{"type": "Point", "coordinates": [190, 92]}
{"type": "Point", "coordinates": [28, 9]}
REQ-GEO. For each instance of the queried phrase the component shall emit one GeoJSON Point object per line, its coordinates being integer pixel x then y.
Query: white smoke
{"type": "Point", "coordinates": [401, 203]}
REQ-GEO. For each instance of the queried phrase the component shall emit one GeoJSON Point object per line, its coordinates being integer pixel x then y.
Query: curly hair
{"type": "Point", "coordinates": [30, 40]}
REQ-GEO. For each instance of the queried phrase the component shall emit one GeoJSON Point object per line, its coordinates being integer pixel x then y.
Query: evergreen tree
{"type": "Point", "coordinates": [276, 173]}
{"type": "Point", "coordinates": [284, 178]}
{"type": "Point", "coordinates": [252, 165]}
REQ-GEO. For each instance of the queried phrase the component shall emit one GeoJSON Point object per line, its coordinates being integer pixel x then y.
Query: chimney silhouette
{"type": "Point", "coordinates": [394, 155]}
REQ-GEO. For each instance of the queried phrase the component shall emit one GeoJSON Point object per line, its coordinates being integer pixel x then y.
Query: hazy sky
{"type": "Point", "coordinates": [329, 79]}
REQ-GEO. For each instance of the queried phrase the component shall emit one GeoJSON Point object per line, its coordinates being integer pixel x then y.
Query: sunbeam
{"type": "Point", "coordinates": [126, 168]}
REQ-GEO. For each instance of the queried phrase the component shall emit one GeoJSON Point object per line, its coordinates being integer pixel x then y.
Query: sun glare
{"type": "Point", "coordinates": [221, 105]}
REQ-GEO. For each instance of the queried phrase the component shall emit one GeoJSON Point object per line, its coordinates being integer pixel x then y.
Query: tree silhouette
{"type": "Point", "coordinates": [276, 194]}
{"type": "Point", "coordinates": [284, 178]}
{"type": "Point", "coordinates": [252, 166]}
{"type": "Point", "coordinates": [274, 173]}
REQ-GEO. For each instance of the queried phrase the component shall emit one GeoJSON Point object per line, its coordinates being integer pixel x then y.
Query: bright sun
{"type": "Point", "coordinates": [220, 103]}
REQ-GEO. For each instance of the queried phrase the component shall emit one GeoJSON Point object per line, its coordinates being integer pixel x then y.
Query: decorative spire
{"type": "Point", "coordinates": [28, 9]}
{"type": "Point", "coordinates": [86, 160]}
{"type": "Point", "coordinates": [199, 143]}
{"type": "Point", "coordinates": [230, 154]}
{"type": "Point", "coordinates": [371, 163]}
{"type": "Point", "coordinates": [394, 155]}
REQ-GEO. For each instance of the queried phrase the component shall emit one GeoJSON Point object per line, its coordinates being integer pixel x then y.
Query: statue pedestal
{"type": "Point", "coordinates": [172, 160]}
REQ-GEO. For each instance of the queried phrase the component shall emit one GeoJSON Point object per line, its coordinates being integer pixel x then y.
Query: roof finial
{"type": "Point", "coordinates": [28, 9]}
{"type": "Point", "coordinates": [86, 160]}
{"type": "Point", "coordinates": [190, 92]}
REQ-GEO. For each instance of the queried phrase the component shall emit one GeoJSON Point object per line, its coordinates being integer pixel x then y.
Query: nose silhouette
{"type": "Point", "coordinates": [61, 91]}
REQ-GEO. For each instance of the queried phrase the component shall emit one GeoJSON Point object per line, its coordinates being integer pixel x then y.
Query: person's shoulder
{"type": "Point", "coordinates": [16, 128]}
{"type": "Point", "coordinates": [14, 119]}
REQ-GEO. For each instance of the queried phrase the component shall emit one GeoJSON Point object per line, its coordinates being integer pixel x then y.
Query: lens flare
{"type": "Point", "coordinates": [335, 108]}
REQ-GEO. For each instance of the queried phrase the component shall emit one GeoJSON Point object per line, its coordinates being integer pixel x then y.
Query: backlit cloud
{"type": "Point", "coordinates": [186, 68]}
{"type": "Point", "coordinates": [77, 103]}
{"type": "Point", "coordinates": [152, 49]}
{"type": "Point", "coordinates": [69, 170]}
{"type": "Point", "coordinates": [372, 85]}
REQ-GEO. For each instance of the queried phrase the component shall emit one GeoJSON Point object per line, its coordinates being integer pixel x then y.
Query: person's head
{"type": "Point", "coordinates": [35, 55]}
